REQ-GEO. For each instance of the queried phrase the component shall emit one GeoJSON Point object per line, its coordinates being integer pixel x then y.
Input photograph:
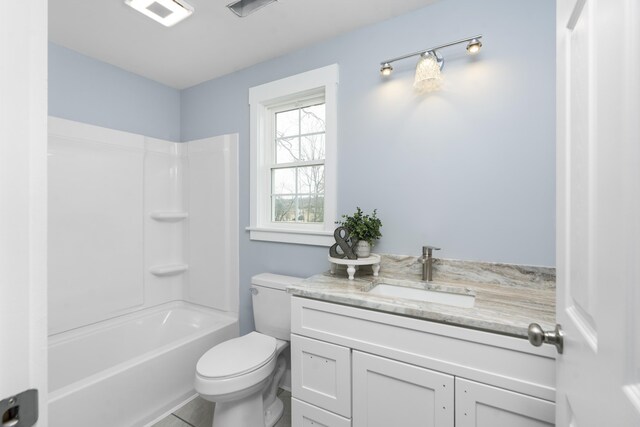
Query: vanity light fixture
{"type": "Point", "coordinates": [428, 76]}
{"type": "Point", "coordinates": [166, 12]}
{"type": "Point", "coordinates": [243, 8]}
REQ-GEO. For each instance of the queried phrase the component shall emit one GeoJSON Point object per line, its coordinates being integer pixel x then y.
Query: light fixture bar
{"type": "Point", "coordinates": [432, 49]}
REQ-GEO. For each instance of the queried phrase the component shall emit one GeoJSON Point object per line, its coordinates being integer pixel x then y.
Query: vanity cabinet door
{"type": "Point", "coordinates": [390, 393]}
{"type": "Point", "coordinates": [321, 374]}
{"type": "Point", "coordinates": [481, 405]}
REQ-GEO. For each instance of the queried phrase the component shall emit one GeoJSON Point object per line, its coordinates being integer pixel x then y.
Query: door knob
{"type": "Point", "coordinates": [537, 336]}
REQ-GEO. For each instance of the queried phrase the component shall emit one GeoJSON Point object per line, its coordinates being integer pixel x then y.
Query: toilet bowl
{"type": "Point", "coordinates": [242, 375]}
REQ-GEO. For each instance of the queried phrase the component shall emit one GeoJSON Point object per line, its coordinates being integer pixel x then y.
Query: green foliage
{"type": "Point", "coordinates": [362, 226]}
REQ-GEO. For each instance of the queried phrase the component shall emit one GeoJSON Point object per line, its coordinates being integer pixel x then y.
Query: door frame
{"type": "Point", "coordinates": [23, 200]}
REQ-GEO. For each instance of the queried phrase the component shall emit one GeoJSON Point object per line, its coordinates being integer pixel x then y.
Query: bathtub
{"type": "Point", "coordinates": [130, 370]}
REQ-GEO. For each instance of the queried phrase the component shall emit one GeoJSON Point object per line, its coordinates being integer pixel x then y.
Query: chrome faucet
{"type": "Point", "coordinates": [427, 262]}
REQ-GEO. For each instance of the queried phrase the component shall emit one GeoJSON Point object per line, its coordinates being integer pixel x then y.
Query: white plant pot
{"type": "Point", "coordinates": [363, 249]}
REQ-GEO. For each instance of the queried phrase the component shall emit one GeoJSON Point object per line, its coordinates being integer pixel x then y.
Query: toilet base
{"type": "Point", "coordinates": [245, 412]}
{"type": "Point", "coordinates": [273, 413]}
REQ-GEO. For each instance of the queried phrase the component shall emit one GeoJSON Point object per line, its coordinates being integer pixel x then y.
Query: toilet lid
{"type": "Point", "coordinates": [237, 356]}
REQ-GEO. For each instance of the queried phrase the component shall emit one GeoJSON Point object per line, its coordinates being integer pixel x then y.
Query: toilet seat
{"type": "Point", "coordinates": [237, 357]}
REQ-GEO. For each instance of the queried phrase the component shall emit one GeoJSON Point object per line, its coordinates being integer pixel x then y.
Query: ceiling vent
{"type": "Point", "coordinates": [166, 12]}
{"type": "Point", "coordinates": [243, 8]}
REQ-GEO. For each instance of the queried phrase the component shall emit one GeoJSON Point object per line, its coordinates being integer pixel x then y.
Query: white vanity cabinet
{"type": "Point", "coordinates": [365, 368]}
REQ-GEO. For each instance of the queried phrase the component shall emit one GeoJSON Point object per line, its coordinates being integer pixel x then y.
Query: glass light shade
{"type": "Point", "coordinates": [428, 75]}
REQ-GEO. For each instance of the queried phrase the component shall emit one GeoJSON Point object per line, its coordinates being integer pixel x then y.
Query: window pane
{"type": "Point", "coordinates": [297, 193]}
{"type": "Point", "coordinates": [311, 208]}
{"type": "Point", "coordinates": [283, 181]}
{"type": "Point", "coordinates": [287, 150]}
{"type": "Point", "coordinates": [287, 123]}
{"type": "Point", "coordinates": [312, 119]}
{"type": "Point", "coordinates": [312, 147]}
{"type": "Point", "coordinates": [284, 208]}
{"type": "Point", "coordinates": [311, 179]}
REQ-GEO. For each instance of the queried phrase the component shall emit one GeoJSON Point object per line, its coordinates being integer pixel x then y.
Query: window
{"type": "Point", "coordinates": [293, 158]}
{"type": "Point", "coordinates": [297, 170]}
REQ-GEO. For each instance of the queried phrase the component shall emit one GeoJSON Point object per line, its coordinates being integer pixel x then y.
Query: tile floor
{"type": "Point", "coordinates": [199, 413]}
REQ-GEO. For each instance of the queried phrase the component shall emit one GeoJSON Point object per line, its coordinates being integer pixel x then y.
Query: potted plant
{"type": "Point", "coordinates": [363, 229]}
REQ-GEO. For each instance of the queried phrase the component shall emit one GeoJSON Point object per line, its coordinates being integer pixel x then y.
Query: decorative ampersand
{"type": "Point", "coordinates": [342, 241]}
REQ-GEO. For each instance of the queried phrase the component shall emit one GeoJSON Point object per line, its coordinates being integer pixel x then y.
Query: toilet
{"type": "Point", "coordinates": [242, 375]}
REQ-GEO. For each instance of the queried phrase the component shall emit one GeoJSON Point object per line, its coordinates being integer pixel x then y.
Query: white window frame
{"type": "Point", "coordinates": [262, 100]}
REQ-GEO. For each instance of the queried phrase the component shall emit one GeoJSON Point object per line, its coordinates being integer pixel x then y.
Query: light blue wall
{"type": "Point", "coordinates": [90, 91]}
{"type": "Point", "coordinates": [470, 168]}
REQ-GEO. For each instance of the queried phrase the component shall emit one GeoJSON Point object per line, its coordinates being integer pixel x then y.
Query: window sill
{"type": "Point", "coordinates": [299, 237]}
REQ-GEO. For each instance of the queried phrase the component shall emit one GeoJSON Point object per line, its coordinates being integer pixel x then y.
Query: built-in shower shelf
{"type": "Point", "coordinates": [166, 216]}
{"type": "Point", "coordinates": [168, 270]}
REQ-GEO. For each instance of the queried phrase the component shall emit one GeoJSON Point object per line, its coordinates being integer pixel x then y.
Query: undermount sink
{"type": "Point", "coordinates": [417, 292]}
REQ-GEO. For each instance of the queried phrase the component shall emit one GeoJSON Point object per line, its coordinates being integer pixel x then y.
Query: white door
{"type": "Point", "coordinates": [598, 212]}
{"type": "Point", "coordinates": [23, 147]}
{"type": "Point", "coordinates": [482, 405]}
{"type": "Point", "coordinates": [391, 393]}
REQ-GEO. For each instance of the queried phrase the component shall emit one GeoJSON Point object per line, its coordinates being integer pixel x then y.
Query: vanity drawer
{"type": "Point", "coordinates": [321, 374]}
{"type": "Point", "coordinates": [305, 415]}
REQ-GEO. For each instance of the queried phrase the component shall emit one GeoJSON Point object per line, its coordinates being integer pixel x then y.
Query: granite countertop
{"type": "Point", "coordinates": [507, 297]}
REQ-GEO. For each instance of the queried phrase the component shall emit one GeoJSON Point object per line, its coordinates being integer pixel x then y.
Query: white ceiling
{"type": "Point", "coordinates": [213, 41]}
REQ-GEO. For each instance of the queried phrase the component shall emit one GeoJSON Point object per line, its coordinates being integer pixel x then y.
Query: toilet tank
{"type": "Point", "coordinates": [272, 304]}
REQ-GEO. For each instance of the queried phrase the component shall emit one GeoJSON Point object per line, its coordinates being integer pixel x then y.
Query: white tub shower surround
{"type": "Point", "coordinates": [143, 269]}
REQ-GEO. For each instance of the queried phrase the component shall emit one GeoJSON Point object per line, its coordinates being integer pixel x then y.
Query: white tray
{"type": "Point", "coordinates": [353, 264]}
